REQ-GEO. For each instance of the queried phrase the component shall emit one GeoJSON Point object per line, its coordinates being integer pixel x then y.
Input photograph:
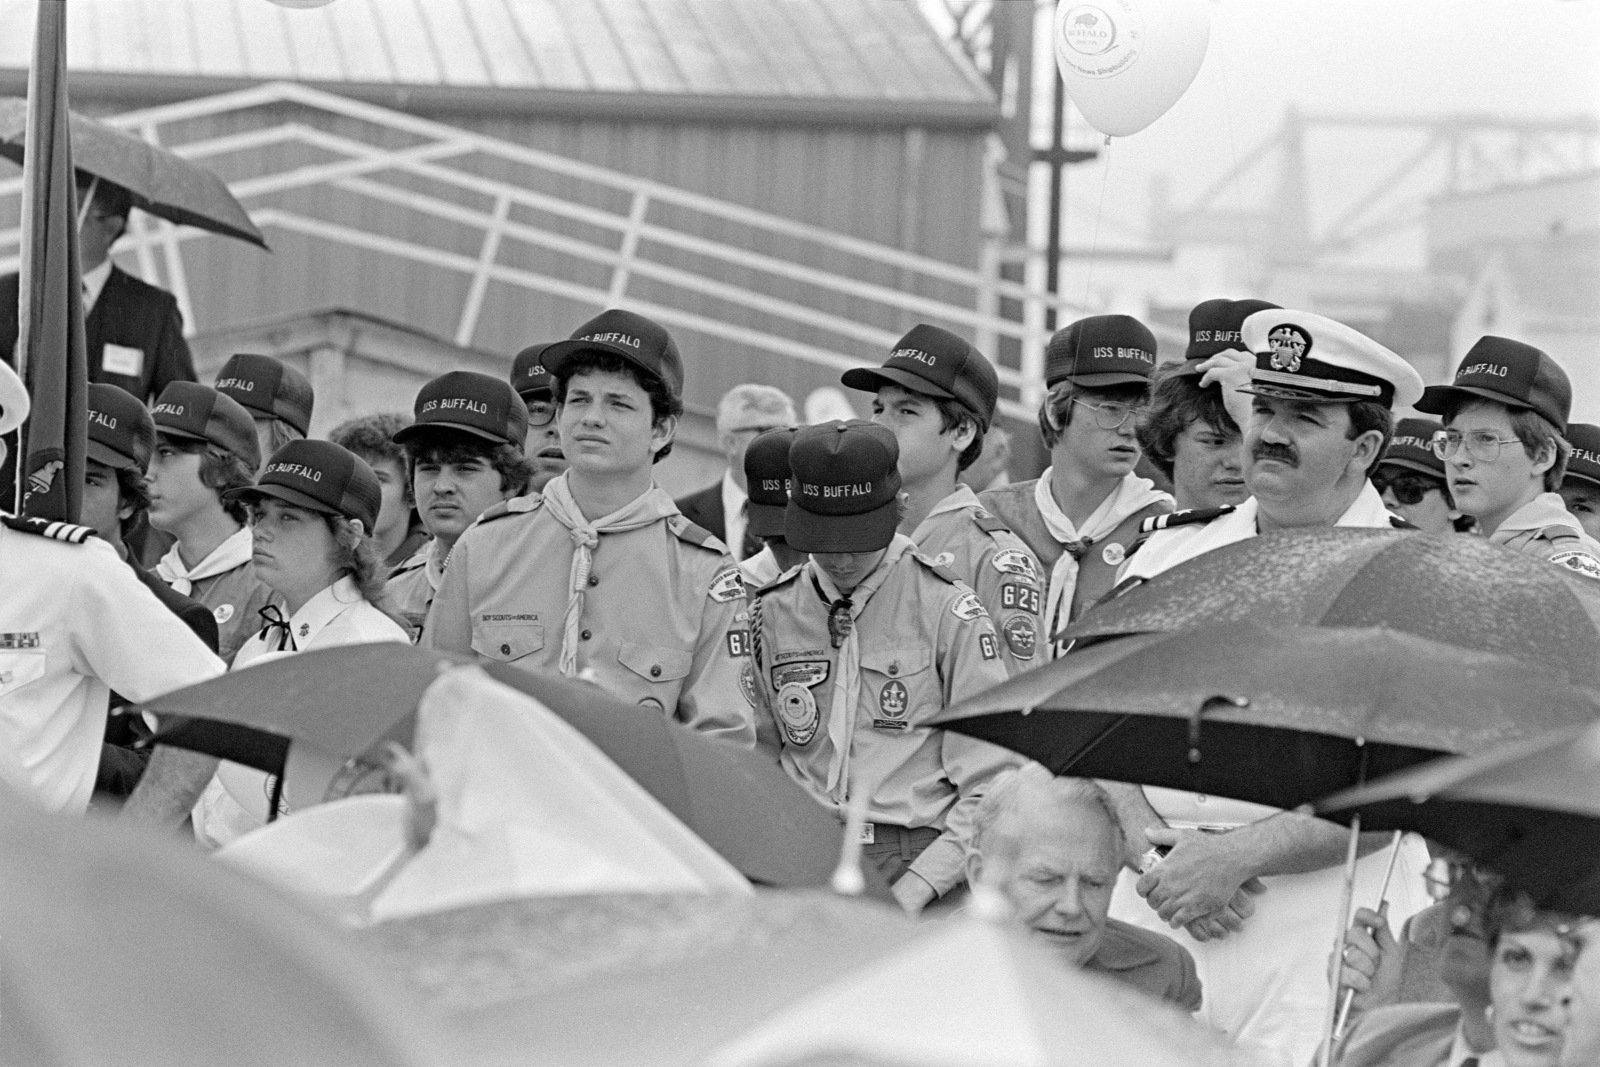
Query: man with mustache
{"type": "Point", "coordinates": [1247, 889]}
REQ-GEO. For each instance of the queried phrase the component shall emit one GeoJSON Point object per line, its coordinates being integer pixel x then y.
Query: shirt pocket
{"type": "Point", "coordinates": [898, 686]}
{"type": "Point", "coordinates": [507, 642]}
{"type": "Point", "coordinates": [18, 668]}
{"type": "Point", "coordinates": [654, 663]}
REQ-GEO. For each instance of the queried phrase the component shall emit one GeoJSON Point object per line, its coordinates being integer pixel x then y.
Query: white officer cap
{"type": "Point", "coordinates": [1304, 356]}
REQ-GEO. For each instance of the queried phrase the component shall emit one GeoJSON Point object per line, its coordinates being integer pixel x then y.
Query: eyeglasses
{"type": "Point", "coordinates": [541, 412]}
{"type": "Point", "coordinates": [1444, 875]}
{"type": "Point", "coordinates": [1407, 488]}
{"type": "Point", "coordinates": [1482, 445]}
{"type": "Point", "coordinates": [1110, 416]}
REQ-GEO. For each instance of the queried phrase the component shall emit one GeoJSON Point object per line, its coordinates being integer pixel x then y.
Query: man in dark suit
{"type": "Point", "coordinates": [744, 412]}
{"type": "Point", "coordinates": [133, 330]}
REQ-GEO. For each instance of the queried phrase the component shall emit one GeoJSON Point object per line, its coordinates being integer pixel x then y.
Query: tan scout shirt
{"type": "Point", "coordinates": [1544, 528]}
{"type": "Point", "coordinates": [665, 622]}
{"type": "Point", "coordinates": [926, 642]}
{"type": "Point", "coordinates": [409, 591]}
{"type": "Point", "coordinates": [235, 599]}
{"type": "Point", "coordinates": [983, 552]}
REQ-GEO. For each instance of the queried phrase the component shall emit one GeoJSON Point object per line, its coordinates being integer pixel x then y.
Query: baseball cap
{"type": "Point", "coordinates": [268, 387]}
{"type": "Point", "coordinates": [528, 376]}
{"type": "Point", "coordinates": [1411, 448]}
{"type": "Point", "coordinates": [1508, 372]}
{"type": "Point", "coordinates": [1584, 463]}
{"type": "Point", "coordinates": [190, 411]}
{"type": "Point", "coordinates": [14, 402]}
{"type": "Point", "coordinates": [1216, 326]}
{"type": "Point", "coordinates": [766, 472]}
{"type": "Point", "coordinates": [122, 435]}
{"type": "Point", "coordinates": [936, 363]}
{"type": "Point", "coordinates": [1305, 356]}
{"type": "Point", "coordinates": [473, 403]}
{"type": "Point", "coordinates": [844, 485]}
{"type": "Point", "coordinates": [1101, 351]}
{"type": "Point", "coordinates": [634, 338]}
{"type": "Point", "coordinates": [321, 476]}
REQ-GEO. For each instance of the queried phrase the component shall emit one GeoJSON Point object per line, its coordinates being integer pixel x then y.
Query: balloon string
{"type": "Point", "coordinates": [1099, 212]}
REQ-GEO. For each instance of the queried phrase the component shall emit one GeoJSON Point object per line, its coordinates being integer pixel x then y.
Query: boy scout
{"type": "Point", "coordinates": [1081, 516]}
{"type": "Point", "coordinates": [537, 389]}
{"type": "Point", "coordinates": [278, 397]}
{"type": "Point", "coordinates": [937, 394]}
{"type": "Point", "coordinates": [599, 575]}
{"type": "Point", "coordinates": [1507, 393]}
{"type": "Point", "coordinates": [858, 648]}
{"type": "Point", "coordinates": [1580, 486]}
{"type": "Point", "coordinates": [463, 455]}
{"type": "Point", "coordinates": [205, 446]}
{"type": "Point", "coordinates": [766, 472]}
{"type": "Point", "coordinates": [1411, 479]}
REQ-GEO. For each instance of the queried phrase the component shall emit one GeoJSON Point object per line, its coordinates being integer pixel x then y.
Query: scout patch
{"type": "Point", "coordinates": [966, 608]}
{"type": "Point", "coordinates": [747, 682]}
{"type": "Point", "coordinates": [797, 714]}
{"type": "Point", "coordinates": [1015, 561]}
{"type": "Point", "coordinates": [1021, 636]}
{"type": "Point", "coordinates": [987, 646]}
{"type": "Point", "coordinates": [1113, 554]}
{"type": "Point", "coordinates": [893, 702]}
{"type": "Point", "coordinates": [738, 642]}
{"type": "Point", "coordinates": [727, 586]}
{"type": "Point", "coordinates": [652, 702]}
{"type": "Point", "coordinates": [1015, 596]}
{"type": "Point", "coordinates": [807, 675]}
{"type": "Point", "coordinates": [1575, 559]}
{"type": "Point", "coordinates": [223, 613]}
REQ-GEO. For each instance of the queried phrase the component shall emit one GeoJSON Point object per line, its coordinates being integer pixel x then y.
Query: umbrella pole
{"type": "Point", "coordinates": [1383, 904]}
{"type": "Point", "coordinates": [1326, 1058]}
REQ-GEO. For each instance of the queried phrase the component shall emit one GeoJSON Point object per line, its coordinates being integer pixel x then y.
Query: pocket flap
{"type": "Point", "coordinates": [655, 663]}
{"type": "Point", "coordinates": [897, 662]}
{"type": "Point", "coordinates": [507, 641]}
{"type": "Point", "coordinates": [18, 668]}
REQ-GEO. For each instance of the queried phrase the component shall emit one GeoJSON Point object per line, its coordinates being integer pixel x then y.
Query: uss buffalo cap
{"type": "Point", "coordinates": [269, 388]}
{"type": "Point", "coordinates": [528, 375]}
{"type": "Point", "coordinates": [1101, 351]}
{"type": "Point", "coordinates": [1584, 463]}
{"type": "Point", "coordinates": [1217, 326]}
{"type": "Point", "coordinates": [1305, 356]}
{"type": "Point", "coordinates": [1510, 372]}
{"type": "Point", "coordinates": [122, 435]}
{"type": "Point", "coordinates": [321, 476]}
{"type": "Point", "coordinates": [1411, 448]}
{"type": "Point", "coordinates": [473, 403]}
{"type": "Point", "coordinates": [194, 412]}
{"type": "Point", "coordinates": [844, 488]}
{"type": "Point", "coordinates": [637, 340]}
{"type": "Point", "coordinates": [935, 362]}
{"type": "Point", "coordinates": [766, 472]}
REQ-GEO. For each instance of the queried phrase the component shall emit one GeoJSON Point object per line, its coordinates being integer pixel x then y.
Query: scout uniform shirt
{"type": "Point", "coordinates": [74, 623]}
{"type": "Point", "coordinates": [664, 621]}
{"type": "Point", "coordinates": [411, 587]}
{"type": "Point", "coordinates": [1543, 527]}
{"type": "Point", "coordinates": [923, 642]}
{"type": "Point", "coordinates": [226, 583]}
{"type": "Point", "coordinates": [979, 548]}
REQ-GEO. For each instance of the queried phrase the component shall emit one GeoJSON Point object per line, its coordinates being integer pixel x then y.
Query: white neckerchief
{"type": "Point", "coordinates": [1132, 494]}
{"type": "Point", "coordinates": [650, 506]}
{"type": "Point", "coordinates": [734, 517]}
{"type": "Point", "coordinates": [94, 283]}
{"type": "Point", "coordinates": [847, 668]}
{"type": "Point", "coordinates": [233, 552]}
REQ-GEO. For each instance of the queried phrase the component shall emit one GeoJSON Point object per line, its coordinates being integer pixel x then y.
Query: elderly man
{"type": "Point", "coordinates": [1318, 422]}
{"type": "Point", "coordinates": [744, 412]}
{"type": "Point", "coordinates": [1053, 847]}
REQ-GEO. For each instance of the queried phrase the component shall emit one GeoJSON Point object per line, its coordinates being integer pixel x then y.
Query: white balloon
{"type": "Point", "coordinates": [298, 4]}
{"type": "Point", "coordinates": [1125, 62]}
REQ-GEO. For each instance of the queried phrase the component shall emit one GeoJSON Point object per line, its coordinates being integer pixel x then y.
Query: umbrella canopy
{"type": "Point", "coordinates": [1458, 590]}
{"type": "Point", "coordinates": [162, 182]}
{"type": "Point", "coordinates": [739, 802]}
{"type": "Point", "coordinates": [1279, 717]}
{"type": "Point", "coordinates": [1531, 811]}
{"type": "Point", "coordinates": [121, 946]}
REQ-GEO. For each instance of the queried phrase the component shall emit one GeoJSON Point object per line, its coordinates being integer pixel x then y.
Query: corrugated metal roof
{"type": "Point", "coordinates": [822, 51]}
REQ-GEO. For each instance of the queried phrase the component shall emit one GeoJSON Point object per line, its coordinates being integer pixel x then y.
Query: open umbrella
{"type": "Point", "coordinates": [1281, 716]}
{"type": "Point", "coordinates": [739, 802]}
{"type": "Point", "coordinates": [161, 181]}
{"type": "Point", "coordinates": [1531, 811]}
{"type": "Point", "coordinates": [1458, 590]}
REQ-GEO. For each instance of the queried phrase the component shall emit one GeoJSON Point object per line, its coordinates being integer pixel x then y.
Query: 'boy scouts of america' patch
{"type": "Point", "coordinates": [1015, 561]}
{"type": "Point", "coordinates": [1289, 344]}
{"type": "Point", "coordinates": [966, 608]}
{"type": "Point", "coordinates": [798, 714]}
{"type": "Point", "coordinates": [727, 586]}
{"type": "Point", "coordinates": [893, 702]}
{"type": "Point", "coordinates": [807, 674]}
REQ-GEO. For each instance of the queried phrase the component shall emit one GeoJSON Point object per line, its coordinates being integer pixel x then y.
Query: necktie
{"type": "Point", "coordinates": [277, 628]}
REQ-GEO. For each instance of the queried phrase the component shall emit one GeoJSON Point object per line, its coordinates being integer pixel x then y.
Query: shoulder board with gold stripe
{"type": "Point", "coordinates": [1190, 517]}
{"type": "Point", "coordinates": [55, 531]}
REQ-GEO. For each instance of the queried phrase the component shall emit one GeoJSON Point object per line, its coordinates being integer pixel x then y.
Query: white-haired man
{"type": "Point", "coordinates": [745, 412]}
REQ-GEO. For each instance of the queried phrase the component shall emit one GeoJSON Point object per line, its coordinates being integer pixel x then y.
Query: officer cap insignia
{"type": "Point", "coordinates": [1290, 344]}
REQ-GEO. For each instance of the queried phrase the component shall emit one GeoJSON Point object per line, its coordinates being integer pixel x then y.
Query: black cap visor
{"type": "Point", "coordinates": [250, 494]}
{"type": "Point", "coordinates": [806, 531]}
{"type": "Point", "coordinates": [1437, 399]}
{"type": "Point", "coordinates": [871, 379]}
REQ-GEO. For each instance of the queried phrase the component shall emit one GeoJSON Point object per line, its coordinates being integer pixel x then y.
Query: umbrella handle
{"type": "Point", "coordinates": [1194, 721]}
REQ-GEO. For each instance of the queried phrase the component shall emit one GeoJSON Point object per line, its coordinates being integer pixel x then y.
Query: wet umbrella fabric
{"type": "Point", "coordinates": [739, 802]}
{"type": "Point", "coordinates": [161, 181]}
{"type": "Point", "coordinates": [1279, 717]}
{"type": "Point", "coordinates": [1458, 590]}
{"type": "Point", "coordinates": [1530, 811]}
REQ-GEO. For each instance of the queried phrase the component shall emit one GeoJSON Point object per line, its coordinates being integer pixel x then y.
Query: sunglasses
{"type": "Point", "coordinates": [1408, 488]}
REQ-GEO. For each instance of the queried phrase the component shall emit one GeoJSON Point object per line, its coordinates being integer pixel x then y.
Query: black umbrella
{"type": "Point", "coordinates": [1531, 811]}
{"type": "Point", "coordinates": [161, 181]}
{"type": "Point", "coordinates": [1458, 590]}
